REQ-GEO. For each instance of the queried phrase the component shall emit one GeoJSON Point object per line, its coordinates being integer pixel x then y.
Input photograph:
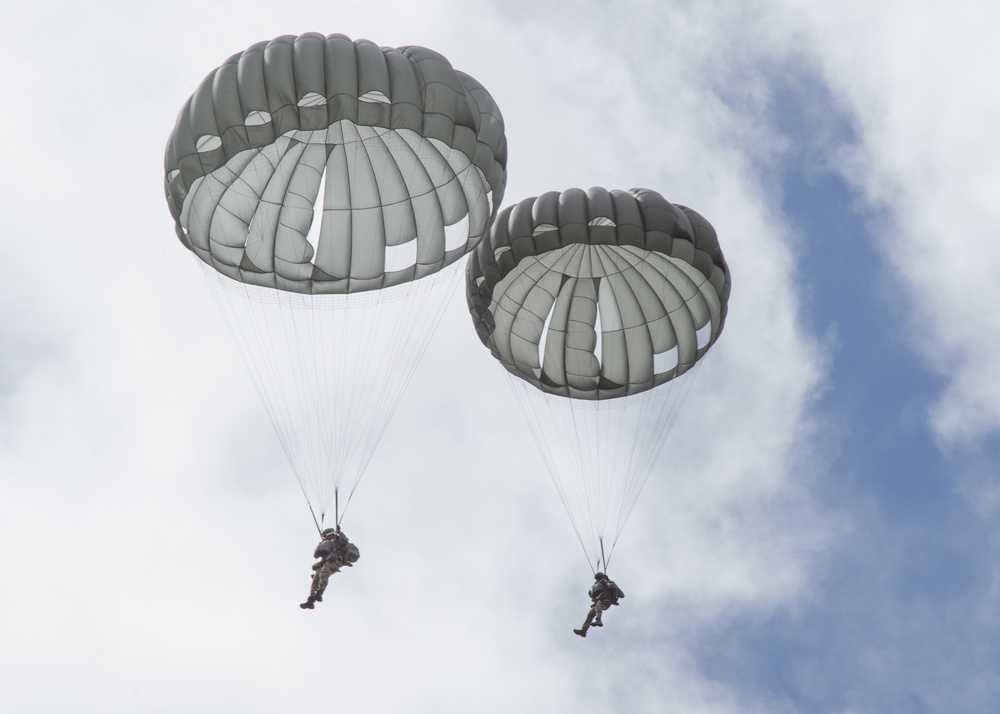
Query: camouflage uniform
{"type": "Point", "coordinates": [321, 577]}
{"type": "Point", "coordinates": [332, 551]}
{"type": "Point", "coordinates": [603, 595]}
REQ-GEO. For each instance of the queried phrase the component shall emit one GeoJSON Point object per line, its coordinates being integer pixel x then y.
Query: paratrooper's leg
{"type": "Point", "coordinates": [599, 607]}
{"type": "Point", "coordinates": [586, 623]}
{"type": "Point", "coordinates": [319, 581]}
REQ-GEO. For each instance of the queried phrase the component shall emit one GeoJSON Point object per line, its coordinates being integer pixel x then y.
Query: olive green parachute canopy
{"type": "Point", "coordinates": [407, 154]}
{"type": "Point", "coordinates": [598, 294]}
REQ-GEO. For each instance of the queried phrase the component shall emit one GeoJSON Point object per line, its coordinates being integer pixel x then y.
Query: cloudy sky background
{"type": "Point", "coordinates": [821, 531]}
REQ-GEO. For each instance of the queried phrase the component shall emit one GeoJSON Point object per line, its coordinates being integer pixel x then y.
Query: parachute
{"type": "Point", "coordinates": [330, 189]}
{"type": "Point", "coordinates": [599, 304]}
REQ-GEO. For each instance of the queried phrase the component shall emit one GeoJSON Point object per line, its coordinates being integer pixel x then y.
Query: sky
{"type": "Point", "coordinates": [820, 533]}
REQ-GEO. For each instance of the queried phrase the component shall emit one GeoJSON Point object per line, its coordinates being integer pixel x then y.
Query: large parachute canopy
{"type": "Point", "coordinates": [596, 303]}
{"type": "Point", "coordinates": [330, 188]}
{"type": "Point", "coordinates": [402, 145]}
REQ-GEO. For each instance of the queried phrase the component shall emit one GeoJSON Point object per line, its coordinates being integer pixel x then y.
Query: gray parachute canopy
{"type": "Point", "coordinates": [330, 189]}
{"type": "Point", "coordinates": [408, 154]}
{"type": "Point", "coordinates": [598, 294]}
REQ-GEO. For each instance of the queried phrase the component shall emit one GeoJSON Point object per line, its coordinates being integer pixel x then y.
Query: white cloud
{"type": "Point", "coordinates": [916, 82]}
{"type": "Point", "coordinates": [187, 541]}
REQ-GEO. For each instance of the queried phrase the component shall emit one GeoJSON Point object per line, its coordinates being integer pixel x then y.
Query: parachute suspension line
{"type": "Point", "coordinates": [272, 353]}
{"type": "Point", "coordinates": [589, 465]}
{"type": "Point", "coordinates": [292, 369]}
{"type": "Point", "coordinates": [655, 411]}
{"type": "Point", "coordinates": [352, 411]}
{"type": "Point", "coordinates": [343, 393]}
{"type": "Point", "coordinates": [319, 527]}
{"type": "Point", "coordinates": [423, 311]}
{"type": "Point", "coordinates": [418, 330]}
{"type": "Point", "coordinates": [271, 356]}
{"type": "Point", "coordinates": [584, 469]}
{"type": "Point", "coordinates": [599, 496]}
{"type": "Point", "coordinates": [636, 470]}
{"type": "Point", "coordinates": [329, 405]}
{"type": "Point", "coordinates": [362, 386]}
{"type": "Point", "coordinates": [624, 430]}
{"type": "Point", "coordinates": [526, 401]}
{"type": "Point", "coordinates": [375, 373]}
{"type": "Point", "coordinates": [603, 429]}
{"type": "Point", "coordinates": [262, 370]}
{"type": "Point", "coordinates": [662, 411]}
{"type": "Point", "coordinates": [251, 316]}
{"type": "Point", "coordinates": [409, 314]}
{"type": "Point", "coordinates": [320, 325]}
{"type": "Point", "coordinates": [300, 328]}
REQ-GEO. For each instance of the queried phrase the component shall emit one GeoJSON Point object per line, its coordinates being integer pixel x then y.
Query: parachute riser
{"type": "Point", "coordinates": [602, 562]}
{"type": "Point", "coordinates": [318, 522]}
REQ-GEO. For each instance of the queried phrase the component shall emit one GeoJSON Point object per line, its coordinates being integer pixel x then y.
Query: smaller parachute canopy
{"type": "Point", "coordinates": [598, 294]}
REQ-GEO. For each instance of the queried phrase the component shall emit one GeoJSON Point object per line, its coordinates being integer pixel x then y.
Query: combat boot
{"type": "Point", "coordinates": [581, 632]}
{"type": "Point", "coordinates": [308, 604]}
